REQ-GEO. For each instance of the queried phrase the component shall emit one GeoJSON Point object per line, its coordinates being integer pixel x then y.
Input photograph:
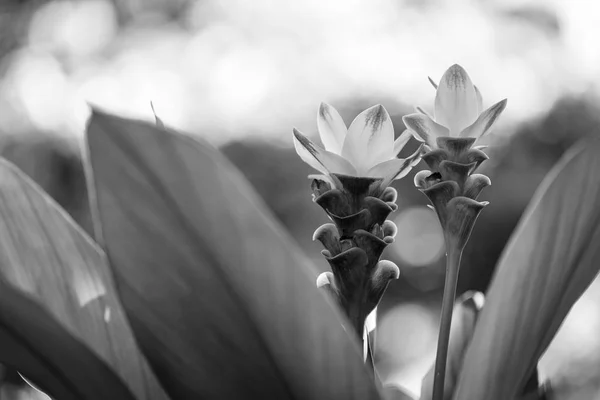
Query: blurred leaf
{"type": "Point", "coordinates": [535, 395]}
{"type": "Point", "coordinates": [45, 254]}
{"type": "Point", "coordinates": [37, 345]}
{"type": "Point", "coordinates": [12, 392]}
{"type": "Point", "coordinates": [550, 260]}
{"type": "Point", "coordinates": [464, 317]}
{"type": "Point", "coordinates": [396, 393]}
{"type": "Point", "coordinates": [222, 302]}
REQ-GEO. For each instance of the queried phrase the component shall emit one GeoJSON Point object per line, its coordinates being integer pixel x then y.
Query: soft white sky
{"type": "Point", "coordinates": [263, 66]}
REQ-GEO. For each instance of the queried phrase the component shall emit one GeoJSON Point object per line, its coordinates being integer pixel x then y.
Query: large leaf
{"type": "Point", "coordinates": [45, 254]}
{"type": "Point", "coordinates": [224, 305]}
{"type": "Point", "coordinates": [550, 260]}
{"type": "Point", "coordinates": [34, 343]}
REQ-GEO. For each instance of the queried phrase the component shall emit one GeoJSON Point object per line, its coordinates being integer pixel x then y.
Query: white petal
{"type": "Point", "coordinates": [332, 128]}
{"type": "Point", "coordinates": [479, 100]}
{"type": "Point", "coordinates": [396, 168]}
{"type": "Point", "coordinates": [424, 128]}
{"type": "Point", "coordinates": [456, 100]}
{"type": "Point", "coordinates": [485, 122]}
{"type": "Point", "coordinates": [386, 168]}
{"type": "Point", "coordinates": [370, 138]}
{"type": "Point", "coordinates": [321, 160]}
{"type": "Point", "coordinates": [401, 141]}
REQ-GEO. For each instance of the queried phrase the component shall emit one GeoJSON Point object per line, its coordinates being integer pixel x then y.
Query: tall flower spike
{"type": "Point", "coordinates": [357, 166]}
{"type": "Point", "coordinates": [450, 183]}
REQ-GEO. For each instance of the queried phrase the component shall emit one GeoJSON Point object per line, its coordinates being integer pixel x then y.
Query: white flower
{"type": "Point", "coordinates": [458, 110]}
{"type": "Point", "coordinates": [365, 149]}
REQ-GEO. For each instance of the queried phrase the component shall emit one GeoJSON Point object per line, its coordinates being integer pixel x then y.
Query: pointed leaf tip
{"type": "Point", "coordinates": [159, 121]}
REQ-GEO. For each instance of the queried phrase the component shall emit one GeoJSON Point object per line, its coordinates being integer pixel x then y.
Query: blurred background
{"type": "Point", "coordinates": [241, 74]}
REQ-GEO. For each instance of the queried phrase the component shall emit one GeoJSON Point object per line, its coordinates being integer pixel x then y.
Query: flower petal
{"type": "Point", "coordinates": [396, 168]}
{"type": "Point", "coordinates": [321, 160]}
{"type": "Point", "coordinates": [388, 167]}
{"type": "Point", "coordinates": [485, 121]}
{"type": "Point", "coordinates": [424, 129]}
{"type": "Point", "coordinates": [456, 100]}
{"type": "Point", "coordinates": [370, 139]}
{"type": "Point", "coordinates": [332, 128]}
{"type": "Point", "coordinates": [401, 141]}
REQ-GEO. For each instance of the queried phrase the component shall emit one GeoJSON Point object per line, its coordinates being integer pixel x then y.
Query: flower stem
{"type": "Point", "coordinates": [452, 267]}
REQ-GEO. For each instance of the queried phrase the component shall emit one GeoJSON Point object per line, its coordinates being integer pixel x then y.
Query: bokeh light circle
{"type": "Point", "coordinates": [420, 240]}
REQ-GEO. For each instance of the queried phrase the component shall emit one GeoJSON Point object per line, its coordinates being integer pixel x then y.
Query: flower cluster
{"type": "Point", "coordinates": [359, 163]}
{"type": "Point", "coordinates": [451, 184]}
{"type": "Point", "coordinates": [357, 166]}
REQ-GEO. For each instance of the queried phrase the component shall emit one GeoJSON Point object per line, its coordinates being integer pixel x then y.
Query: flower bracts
{"type": "Point", "coordinates": [354, 242]}
{"type": "Point", "coordinates": [357, 166]}
{"type": "Point", "coordinates": [452, 187]}
{"type": "Point", "coordinates": [449, 136]}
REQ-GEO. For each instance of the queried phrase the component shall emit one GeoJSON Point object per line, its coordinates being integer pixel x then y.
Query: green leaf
{"type": "Point", "coordinates": [222, 302]}
{"type": "Point", "coordinates": [38, 346]}
{"type": "Point", "coordinates": [550, 260]}
{"type": "Point", "coordinates": [46, 255]}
